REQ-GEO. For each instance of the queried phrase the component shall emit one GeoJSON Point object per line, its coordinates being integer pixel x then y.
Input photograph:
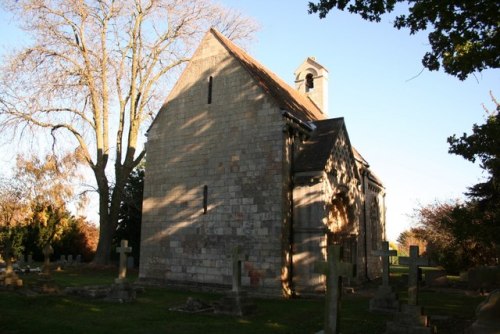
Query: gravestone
{"type": "Point", "coordinates": [414, 261]}
{"type": "Point", "coordinates": [488, 315]}
{"type": "Point", "coordinates": [47, 252]}
{"type": "Point", "coordinates": [484, 278]}
{"type": "Point", "coordinates": [70, 259]}
{"type": "Point", "coordinates": [411, 318]}
{"type": "Point", "coordinates": [121, 291]}
{"type": "Point", "coordinates": [45, 282]}
{"type": "Point", "coordinates": [236, 301]}
{"type": "Point", "coordinates": [436, 278]}
{"type": "Point", "coordinates": [78, 259]}
{"type": "Point", "coordinates": [122, 270]}
{"type": "Point", "coordinates": [335, 270]}
{"type": "Point", "coordinates": [130, 262]}
{"type": "Point", "coordinates": [30, 259]}
{"type": "Point", "coordinates": [9, 278]}
{"type": "Point", "coordinates": [385, 299]}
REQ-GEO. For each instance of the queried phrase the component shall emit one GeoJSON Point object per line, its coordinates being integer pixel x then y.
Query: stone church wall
{"type": "Point", "coordinates": [214, 178]}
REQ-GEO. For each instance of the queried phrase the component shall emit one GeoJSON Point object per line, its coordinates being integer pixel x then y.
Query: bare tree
{"type": "Point", "coordinates": [98, 70]}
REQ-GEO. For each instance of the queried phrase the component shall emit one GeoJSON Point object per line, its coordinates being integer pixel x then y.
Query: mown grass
{"type": "Point", "coordinates": [150, 312]}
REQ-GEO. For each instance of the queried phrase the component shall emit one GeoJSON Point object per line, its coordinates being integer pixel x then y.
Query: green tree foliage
{"type": "Point", "coordinates": [463, 235]}
{"type": "Point", "coordinates": [94, 74]}
{"type": "Point", "coordinates": [463, 35]}
{"type": "Point", "coordinates": [451, 233]}
{"type": "Point", "coordinates": [129, 224]}
{"type": "Point", "coordinates": [79, 238]}
{"type": "Point", "coordinates": [14, 212]}
{"type": "Point", "coordinates": [484, 204]}
{"type": "Point", "coordinates": [409, 238]}
{"type": "Point", "coordinates": [33, 209]}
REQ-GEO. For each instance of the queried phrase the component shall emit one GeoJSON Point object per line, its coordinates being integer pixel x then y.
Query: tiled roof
{"type": "Point", "coordinates": [359, 159]}
{"type": "Point", "coordinates": [287, 97]}
{"type": "Point", "coordinates": [316, 150]}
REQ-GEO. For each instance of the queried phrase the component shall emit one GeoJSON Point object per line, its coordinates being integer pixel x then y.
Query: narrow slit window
{"type": "Point", "coordinates": [210, 84]}
{"type": "Point", "coordinates": [205, 199]}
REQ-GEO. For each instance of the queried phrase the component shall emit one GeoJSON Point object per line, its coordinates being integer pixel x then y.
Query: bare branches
{"type": "Point", "coordinates": [99, 70]}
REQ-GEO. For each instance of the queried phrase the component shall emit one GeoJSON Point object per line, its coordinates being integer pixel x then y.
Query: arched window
{"type": "Point", "coordinates": [309, 82]}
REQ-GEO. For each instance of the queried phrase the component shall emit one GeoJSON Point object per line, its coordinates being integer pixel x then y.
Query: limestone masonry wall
{"type": "Point", "coordinates": [214, 178]}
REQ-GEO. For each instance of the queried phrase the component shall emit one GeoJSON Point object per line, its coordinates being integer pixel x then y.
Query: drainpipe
{"type": "Point", "coordinates": [290, 232]}
{"type": "Point", "coordinates": [364, 175]}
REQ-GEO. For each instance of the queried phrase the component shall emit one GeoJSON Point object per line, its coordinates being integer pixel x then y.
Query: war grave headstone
{"type": "Point", "coordinates": [236, 301]}
{"type": "Point", "coordinates": [411, 318]}
{"type": "Point", "coordinates": [385, 299]}
{"type": "Point", "coordinates": [488, 315]}
{"type": "Point", "coordinates": [335, 269]}
{"type": "Point", "coordinates": [484, 278]}
{"type": "Point", "coordinates": [436, 278]}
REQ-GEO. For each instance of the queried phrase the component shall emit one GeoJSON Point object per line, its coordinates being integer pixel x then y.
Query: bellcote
{"type": "Point", "coordinates": [311, 79]}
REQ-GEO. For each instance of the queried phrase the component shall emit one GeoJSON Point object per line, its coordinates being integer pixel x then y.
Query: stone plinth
{"type": "Point", "coordinates": [234, 303]}
{"type": "Point", "coordinates": [46, 284]}
{"type": "Point", "coordinates": [410, 320]}
{"type": "Point", "coordinates": [385, 300]}
{"type": "Point", "coordinates": [121, 292]}
{"type": "Point", "coordinates": [488, 316]}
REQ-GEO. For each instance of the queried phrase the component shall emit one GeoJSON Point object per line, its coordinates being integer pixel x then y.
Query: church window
{"type": "Point", "coordinates": [210, 83]}
{"type": "Point", "coordinates": [309, 82]}
{"type": "Point", "coordinates": [205, 199]}
{"type": "Point", "coordinates": [374, 223]}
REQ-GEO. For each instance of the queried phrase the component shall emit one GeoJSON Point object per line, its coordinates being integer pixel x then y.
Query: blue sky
{"type": "Point", "coordinates": [397, 123]}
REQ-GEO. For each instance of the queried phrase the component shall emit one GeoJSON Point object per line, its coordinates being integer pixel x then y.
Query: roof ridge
{"type": "Point", "coordinates": [287, 97]}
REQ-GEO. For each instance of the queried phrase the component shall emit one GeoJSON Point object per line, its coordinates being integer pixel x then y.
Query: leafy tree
{"type": "Point", "coordinates": [48, 189]}
{"type": "Point", "coordinates": [450, 231]}
{"type": "Point", "coordinates": [463, 35]}
{"type": "Point", "coordinates": [79, 238]}
{"type": "Point", "coordinates": [95, 75]}
{"type": "Point", "coordinates": [129, 224]}
{"type": "Point", "coordinates": [484, 204]}
{"type": "Point", "coordinates": [409, 238]}
{"type": "Point", "coordinates": [14, 211]}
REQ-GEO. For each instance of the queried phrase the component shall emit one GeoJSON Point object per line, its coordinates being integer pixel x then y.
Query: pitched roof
{"type": "Point", "coordinates": [287, 97]}
{"type": "Point", "coordinates": [315, 151]}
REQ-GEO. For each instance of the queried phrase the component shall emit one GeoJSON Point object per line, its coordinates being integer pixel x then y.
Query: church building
{"type": "Point", "coordinates": [237, 158]}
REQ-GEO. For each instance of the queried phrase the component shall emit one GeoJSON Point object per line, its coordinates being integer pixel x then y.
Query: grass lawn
{"type": "Point", "coordinates": [150, 312]}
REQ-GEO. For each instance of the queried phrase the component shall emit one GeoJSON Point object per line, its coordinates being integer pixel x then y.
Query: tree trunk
{"type": "Point", "coordinates": [109, 212]}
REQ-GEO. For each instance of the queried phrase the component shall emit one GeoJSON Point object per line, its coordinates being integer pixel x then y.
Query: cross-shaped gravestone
{"type": "Point", "coordinates": [237, 258]}
{"type": "Point", "coordinates": [413, 262]}
{"type": "Point", "coordinates": [335, 270]}
{"type": "Point", "coordinates": [122, 270]}
{"type": "Point", "coordinates": [385, 253]}
{"type": "Point", "coordinates": [47, 252]}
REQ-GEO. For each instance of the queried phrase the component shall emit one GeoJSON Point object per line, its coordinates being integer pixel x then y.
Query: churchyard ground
{"type": "Point", "coordinates": [453, 309]}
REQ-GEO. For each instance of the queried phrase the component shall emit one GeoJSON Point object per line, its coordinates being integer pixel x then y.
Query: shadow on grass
{"type": "Point", "coordinates": [150, 312]}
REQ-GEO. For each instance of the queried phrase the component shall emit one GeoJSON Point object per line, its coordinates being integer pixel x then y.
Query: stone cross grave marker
{"type": "Point", "coordinates": [122, 270]}
{"type": "Point", "coordinates": [237, 258]}
{"type": "Point", "coordinates": [334, 269]}
{"type": "Point", "coordinates": [47, 252]}
{"type": "Point", "coordinates": [385, 253]}
{"type": "Point", "coordinates": [413, 262]}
